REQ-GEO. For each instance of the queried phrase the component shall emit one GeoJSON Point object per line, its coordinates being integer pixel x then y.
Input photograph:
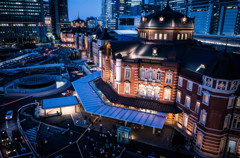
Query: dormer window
{"type": "Point", "coordinates": [161, 19]}
{"type": "Point", "coordinates": [154, 53]}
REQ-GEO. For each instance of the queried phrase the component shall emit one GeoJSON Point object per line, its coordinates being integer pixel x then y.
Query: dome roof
{"type": "Point", "coordinates": [166, 18]}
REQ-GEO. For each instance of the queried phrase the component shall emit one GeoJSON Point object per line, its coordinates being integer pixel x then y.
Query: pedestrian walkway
{"type": "Point", "coordinates": [31, 134]}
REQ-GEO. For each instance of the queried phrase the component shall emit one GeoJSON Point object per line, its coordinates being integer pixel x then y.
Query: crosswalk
{"type": "Point", "coordinates": [31, 134]}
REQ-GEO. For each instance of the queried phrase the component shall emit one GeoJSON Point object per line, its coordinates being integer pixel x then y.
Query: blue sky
{"type": "Point", "coordinates": [85, 8]}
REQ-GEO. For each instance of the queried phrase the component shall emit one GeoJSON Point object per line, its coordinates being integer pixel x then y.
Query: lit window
{"type": "Point", "coordinates": [127, 88]}
{"type": "Point", "coordinates": [142, 90]}
{"type": "Point", "coordinates": [180, 81]}
{"type": "Point", "coordinates": [232, 146]}
{"type": "Point", "coordinates": [178, 36]}
{"type": "Point", "coordinates": [155, 36]}
{"type": "Point", "coordinates": [208, 82]}
{"type": "Point", "coordinates": [199, 92]}
{"type": "Point", "coordinates": [203, 117]}
{"type": "Point", "coordinates": [160, 35]}
{"type": "Point", "coordinates": [197, 107]}
{"type": "Point", "coordinates": [167, 93]}
{"type": "Point", "coordinates": [178, 97]}
{"type": "Point", "coordinates": [150, 91]}
{"type": "Point", "coordinates": [222, 144]}
{"type": "Point", "coordinates": [127, 73]}
{"type": "Point", "coordinates": [187, 101]}
{"type": "Point", "coordinates": [194, 128]}
{"type": "Point", "coordinates": [158, 78]}
{"type": "Point", "coordinates": [206, 97]}
{"type": "Point", "coordinates": [182, 36]}
{"type": "Point", "coordinates": [186, 36]}
{"type": "Point", "coordinates": [165, 36]}
{"type": "Point", "coordinates": [199, 140]}
{"type": "Point", "coordinates": [168, 78]}
{"type": "Point", "coordinates": [238, 103]}
{"type": "Point", "coordinates": [222, 85]}
{"type": "Point", "coordinates": [230, 102]}
{"type": "Point", "coordinates": [189, 85]}
{"type": "Point", "coordinates": [185, 120]}
{"type": "Point", "coordinates": [157, 92]}
{"type": "Point", "coordinates": [226, 122]}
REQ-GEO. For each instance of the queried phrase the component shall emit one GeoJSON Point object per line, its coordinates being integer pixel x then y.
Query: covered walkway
{"type": "Point", "coordinates": [92, 102]}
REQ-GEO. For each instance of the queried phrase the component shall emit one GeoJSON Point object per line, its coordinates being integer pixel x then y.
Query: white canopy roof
{"type": "Point", "coordinates": [93, 103]}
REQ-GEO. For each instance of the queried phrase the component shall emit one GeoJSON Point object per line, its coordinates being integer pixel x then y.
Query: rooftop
{"type": "Point", "coordinates": [59, 102]}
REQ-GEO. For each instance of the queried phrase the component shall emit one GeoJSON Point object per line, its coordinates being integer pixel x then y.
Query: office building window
{"type": "Point", "coordinates": [160, 35]}
{"type": "Point", "coordinates": [178, 36]}
{"type": "Point", "coordinates": [155, 36]}
{"type": "Point", "coordinates": [165, 36]}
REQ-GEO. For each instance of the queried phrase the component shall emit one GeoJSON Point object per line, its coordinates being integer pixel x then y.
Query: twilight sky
{"type": "Point", "coordinates": [85, 8]}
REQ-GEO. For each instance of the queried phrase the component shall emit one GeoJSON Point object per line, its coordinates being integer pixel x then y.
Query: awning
{"type": "Point", "coordinates": [93, 103]}
{"type": "Point", "coordinates": [59, 102]}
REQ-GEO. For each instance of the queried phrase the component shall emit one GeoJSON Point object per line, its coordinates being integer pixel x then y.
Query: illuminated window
{"type": "Point", "coordinates": [234, 85]}
{"type": "Point", "coordinates": [187, 101]}
{"type": "Point", "coordinates": [185, 120]}
{"type": "Point", "coordinates": [178, 97]}
{"type": "Point", "coordinates": [197, 107]}
{"type": "Point", "coordinates": [238, 103]}
{"type": "Point", "coordinates": [236, 122]}
{"type": "Point", "coordinates": [167, 93]}
{"type": "Point", "coordinates": [157, 92]}
{"type": "Point", "coordinates": [232, 146]}
{"type": "Point", "coordinates": [165, 36]}
{"type": "Point", "coordinates": [203, 117]}
{"type": "Point", "coordinates": [160, 35]}
{"type": "Point", "coordinates": [182, 36]}
{"type": "Point", "coordinates": [186, 36]}
{"type": "Point", "coordinates": [142, 74]}
{"type": "Point", "coordinates": [180, 81]}
{"type": "Point", "coordinates": [155, 36]}
{"type": "Point", "coordinates": [206, 97]}
{"type": "Point", "coordinates": [230, 102]}
{"type": "Point", "coordinates": [150, 75]}
{"type": "Point", "coordinates": [178, 36]}
{"type": "Point", "coordinates": [199, 140]}
{"type": "Point", "coordinates": [127, 88]}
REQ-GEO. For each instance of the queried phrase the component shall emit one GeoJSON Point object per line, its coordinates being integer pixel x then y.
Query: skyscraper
{"type": "Point", "coordinates": [215, 17]}
{"type": "Point", "coordinates": [111, 9]}
{"type": "Point", "coordinates": [47, 18]}
{"type": "Point", "coordinates": [59, 15]}
{"type": "Point", "coordinates": [22, 20]}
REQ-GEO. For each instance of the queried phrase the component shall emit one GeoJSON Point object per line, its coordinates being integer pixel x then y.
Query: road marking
{"type": "Point", "coordinates": [22, 120]}
{"type": "Point", "coordinates": [6, 124]}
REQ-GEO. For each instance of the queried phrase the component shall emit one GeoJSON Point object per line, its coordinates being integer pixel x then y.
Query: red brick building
{"type": "Point", "coordinates": [168, 66]}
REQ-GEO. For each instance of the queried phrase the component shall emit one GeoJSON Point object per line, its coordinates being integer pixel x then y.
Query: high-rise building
{"type": "Point", "coordinates": [59, 15]}
{"type": "Point", "coordinates": [22, 21]}
{"type": "Point", "coordinates": [217, 17]}
{"type": "Point", "coordinates": [47, 18]}
{"type": "Point", "coordinates": [111, 9]}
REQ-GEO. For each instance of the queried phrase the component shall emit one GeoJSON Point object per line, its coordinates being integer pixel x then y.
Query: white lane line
{"type": "Point", "coordinates": [6, 124]}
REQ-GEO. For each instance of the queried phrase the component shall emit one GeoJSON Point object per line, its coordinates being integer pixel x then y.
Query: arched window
{"type": "Point", "coordinates": [167, 93]}
{"type": "Point", "coordinates": [142, 90]}
{"type": "Point", "coordinates": [157, 92]}
{"type": "Point", "coordinates": [158, 77]}
{"type": "Point", "coordinates": [150, 75]}
{"type": "Point", "coordinates": [150, 91]}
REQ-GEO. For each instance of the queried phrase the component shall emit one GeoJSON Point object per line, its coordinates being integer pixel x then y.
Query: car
{"type": "Point", "coordinates": [67, 93]}
{"type": "Point", "coordinates": [9, 115]}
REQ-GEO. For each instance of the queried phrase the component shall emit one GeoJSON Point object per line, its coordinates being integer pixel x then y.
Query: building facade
{"type": "Point", "coordinates": [47, 18]}
{"type": "Point", "coordinates": [22, 21]}
{"type": "Point", "coordinates": [169, 67]}
{"type": "Point", "coordinates": [59, 15]}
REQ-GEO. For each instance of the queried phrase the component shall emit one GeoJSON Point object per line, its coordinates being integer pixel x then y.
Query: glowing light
{"type": "Point", "coordinates": [184, 19]}
{"type": "Point", "coordinates": [161, 19]}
